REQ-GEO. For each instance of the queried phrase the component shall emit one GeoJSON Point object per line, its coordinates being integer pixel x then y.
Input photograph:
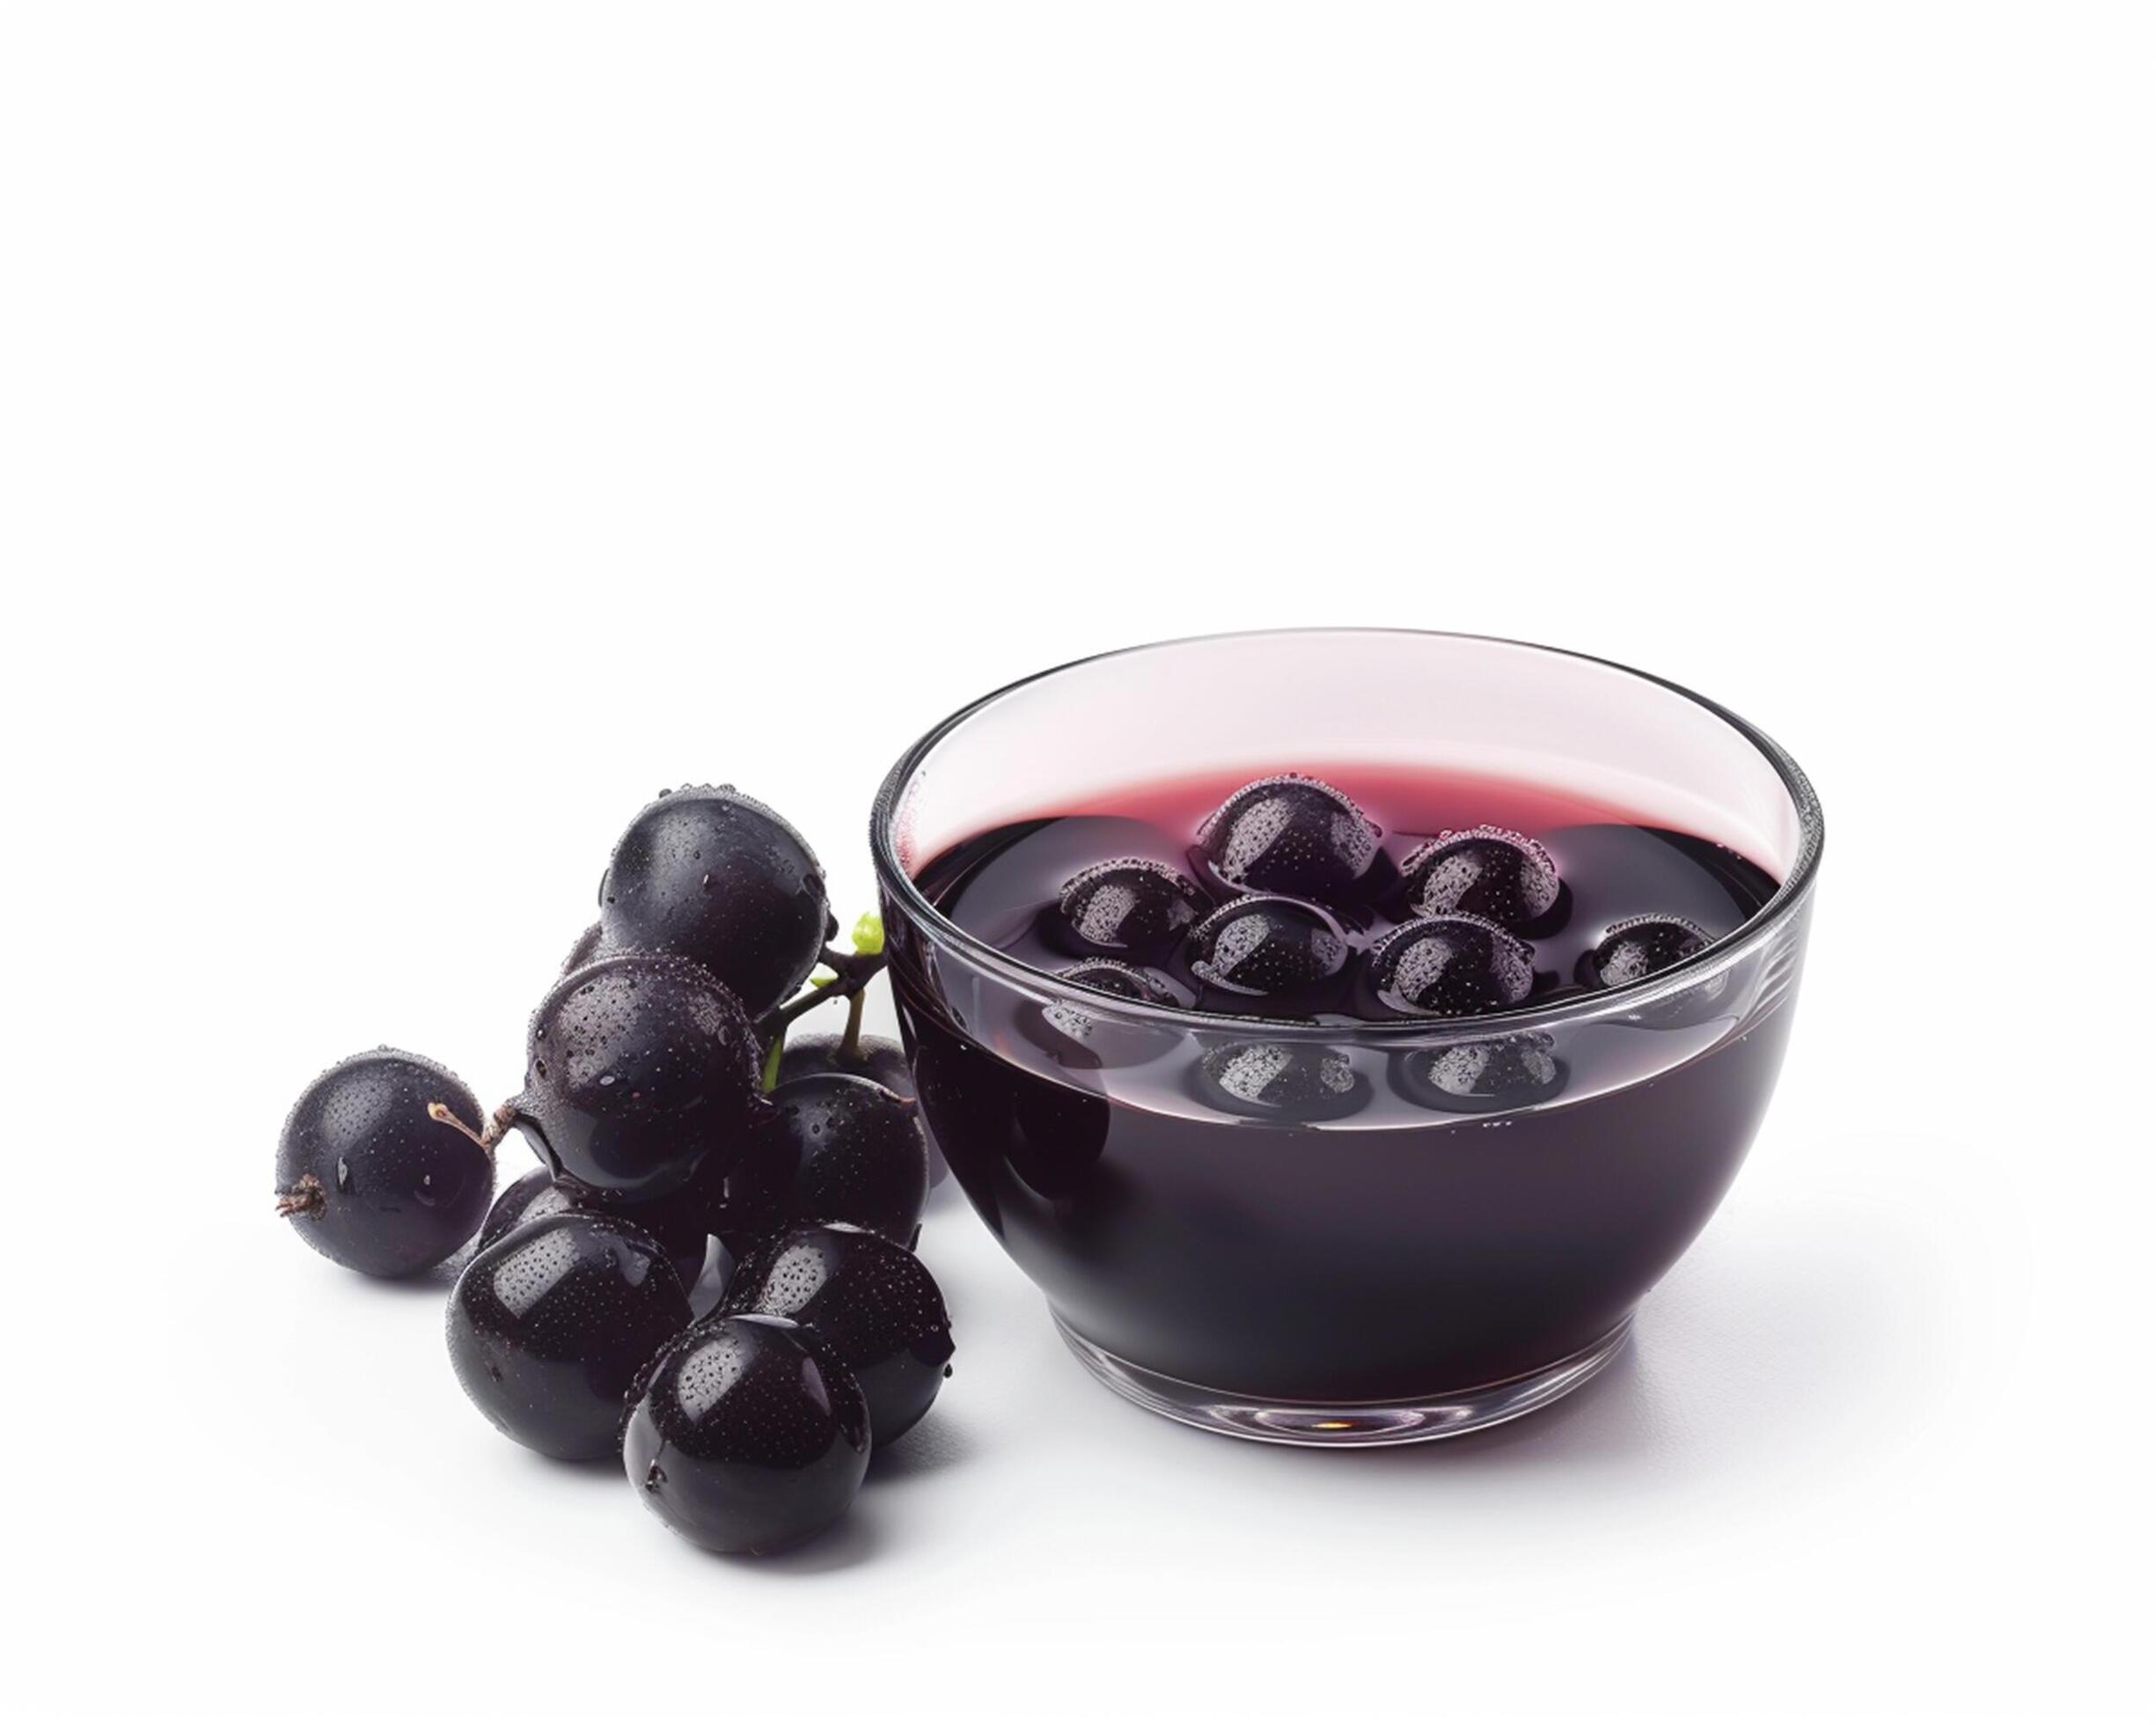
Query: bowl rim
{"type": "Point", "coordinates": [1761, 927]}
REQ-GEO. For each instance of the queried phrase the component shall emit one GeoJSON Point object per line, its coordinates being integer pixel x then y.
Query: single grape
{"type": "Point", "coordinates": [370, 1178]}
{"type": "Point", "coordinates": [875, 1058]}
{"type": "Point", "coordinates": [1449, 966]}
{"type": "Point", "coordinates": [667, 1220]}
{"type": "Point", "coordinates": [1638, 947]}
{"type": "Point", "coordinates": [874, 1301]}
{"type": "Point", "coordinates": [549, 1326]}
{"type": "Point", "coordinates": [856, 1153]}
{"type": "Point", "coordinates": [746, 1434]}
{"type": "Point", "coordinates": [1266, 947]}
{"type": "Point", "coordinates": [1129, 908]}
{"type": "Point", "coordinates": [716, 876]}
{"type": "Point", "coordinates": [1292, 834]}
{"type": "Point", "coordinates": [1503, 876]}
{"type": "Point", "coordinates": [639, 1068]}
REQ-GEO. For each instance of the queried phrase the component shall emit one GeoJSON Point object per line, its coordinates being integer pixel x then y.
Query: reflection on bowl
{"type": "Point", "coordinates": [1482, 1077]}
{"type": "Point", "coordinates": [1280, 1081]}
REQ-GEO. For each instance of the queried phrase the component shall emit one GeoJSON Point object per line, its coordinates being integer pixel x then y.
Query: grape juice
{"type": "Point", "coordinates": [1267, 1196]}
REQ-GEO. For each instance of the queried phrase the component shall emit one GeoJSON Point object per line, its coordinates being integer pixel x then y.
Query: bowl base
{"type": "Point", "coordinates": [1414, 1419]}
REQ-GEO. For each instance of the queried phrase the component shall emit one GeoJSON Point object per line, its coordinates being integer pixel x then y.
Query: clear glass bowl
{"type": "Point", "coordinates": [1392, 1271]}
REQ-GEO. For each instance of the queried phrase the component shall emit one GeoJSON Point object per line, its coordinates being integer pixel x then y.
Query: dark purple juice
{"type": "Point", "coordinates": [1321, 1214]}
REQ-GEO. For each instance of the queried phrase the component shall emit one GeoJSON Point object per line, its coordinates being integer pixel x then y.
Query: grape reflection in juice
{"type": "Point", "coordinates": [1465, 1211]}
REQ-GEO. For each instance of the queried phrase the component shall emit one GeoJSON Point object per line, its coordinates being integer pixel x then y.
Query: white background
{"type": "Point", "coordinates": [425, 430]}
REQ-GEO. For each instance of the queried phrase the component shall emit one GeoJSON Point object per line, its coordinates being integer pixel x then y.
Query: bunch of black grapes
{"type": "Point", "coordinates": [667, 1110]}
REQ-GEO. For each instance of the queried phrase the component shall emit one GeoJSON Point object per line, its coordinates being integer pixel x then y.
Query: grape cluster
{"type": "Point", "coordinates": [667, 1109]}
{"type": "Point", "coordinates": [1293, 907]}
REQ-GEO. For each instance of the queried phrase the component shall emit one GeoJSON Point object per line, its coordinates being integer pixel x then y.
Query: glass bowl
{"type": "Point", "coordinates": [1403, 1249]}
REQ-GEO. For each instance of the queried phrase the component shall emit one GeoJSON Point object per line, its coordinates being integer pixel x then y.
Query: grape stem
{"type": "Point", "coordinates": [498, 1123]}
{"type": "Point", "coordinates": [307, 1198]}
{"type": "Point", "coordinates": [849, 1045]}
{"type": "Point", "coordinates": [850, 973]}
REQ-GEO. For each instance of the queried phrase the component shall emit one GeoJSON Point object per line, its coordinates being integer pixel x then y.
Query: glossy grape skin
{"type": "Point", "coordinates": [1131, 909]}
{"type": "Point", "coordinates": [874, 1301]}
{"type": "Point", "coordinates": [716, 876]}
{"type": "Point", "coordinates": [1295, 835]}
{"type": "Point", "coordinates": [639, 1068]}
{"type": "Point", "coordinates": [537, 1193]}
{"type": "Point", "coordinates": [845, 1149]}
{"type": "Point", "coordinates": [549, 1326]}
{"type": "Point", "coordinates": [875, 1058]}
{"type": "Point", "coordinates": [1638, 948]}
{"type": "Point", "coordinates": [746, 1434]}
{"type": "Point", "coordinates": [1450, 967]}
{"type": "Point", "coordinates": [1487, 871]}
{"type": "Point", "coordinates": [369, 1179]}
{"type": "Point", "coordinates": [1264, 947]}
{"type": "Point", "coordinates": [590, 944]}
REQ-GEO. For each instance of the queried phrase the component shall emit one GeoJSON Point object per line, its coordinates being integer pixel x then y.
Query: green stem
{"type": "Point", "coordinates": [849, 1047]}
{"type": "Point", "coordinates": [854, 973]}
{"type": "Point", "coordinates": [851, 973]}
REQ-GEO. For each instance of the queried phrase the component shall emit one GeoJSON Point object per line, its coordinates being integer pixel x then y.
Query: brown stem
{"type": "Point", "coordinates": [307, 1198]}
{"type": "Point", "coordinates": [442, 1112]}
